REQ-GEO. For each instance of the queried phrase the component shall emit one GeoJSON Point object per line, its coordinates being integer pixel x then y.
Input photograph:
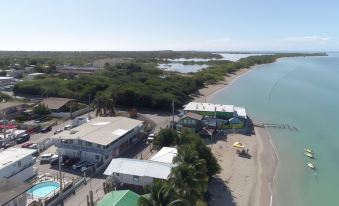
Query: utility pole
{"type": "Point", "coordinates": [89, 106]}
{"type": "Point", "coordinates": [173, 114]}
{"type": "Point", "coordinates": [60, 174]}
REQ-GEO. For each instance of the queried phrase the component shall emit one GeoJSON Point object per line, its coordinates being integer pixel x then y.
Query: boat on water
{"type": "Point", "coordinates": [309, 150]}
{"type": "Point", "coordinates": [308, 155]}
{"type": "Point", "coordinates": [310, 165]}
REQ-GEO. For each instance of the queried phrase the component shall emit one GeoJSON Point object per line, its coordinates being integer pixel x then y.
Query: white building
{"type": "Point", "coordinates": [137, 172]}
{"type": "Point", "coordinates": [165, 155]}
{"type": "Point", "coordinates": [215, 110]}
{"type": "Point", "coordinates": [101, 139]}
{"type": "Point", "coordinates": [34, 75]}
{"type": "Point", "coordinates": [240, 112]}
{"type": "Point", "coordinates": [17, 163]}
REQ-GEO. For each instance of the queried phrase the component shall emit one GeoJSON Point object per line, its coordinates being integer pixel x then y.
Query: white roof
{"type": "Point", "coordinates": [208, 107]}
{"type": "Point", "coordinates": [141, 168]}
{"type": "Point", "coordinates": [101, 130]}
{"type": "Point", "coordinates": [166, 155]}
{"type": "Point", "coordinates": [241, 112]}
{"type": "Point", "coordinates": [6, 78]}
{"type": "Point", "coordinates": [35, 74]}
{"type": "Point", "coordinates": [13, 154]}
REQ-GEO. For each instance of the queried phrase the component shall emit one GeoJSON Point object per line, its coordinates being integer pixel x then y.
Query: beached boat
{"type": "Point", "coordinates": [308, 155]}
{"type": "Point", "coordinates": [309, 150]}
{"type": "Point", "coordinates": [310, 165]}
{"type": "Point", "coordinates": [238, 145]}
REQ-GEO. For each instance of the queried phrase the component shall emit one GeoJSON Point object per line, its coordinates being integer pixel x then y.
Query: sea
{"type": "Point", "coordinates": [301, 96]}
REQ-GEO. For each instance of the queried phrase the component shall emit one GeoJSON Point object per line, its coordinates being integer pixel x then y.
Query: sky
{"type": "Point", "coordinates": [208, 25]}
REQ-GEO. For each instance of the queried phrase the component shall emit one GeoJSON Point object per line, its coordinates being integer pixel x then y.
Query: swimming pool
{"type": "Point", "coordinates": [43, 189]}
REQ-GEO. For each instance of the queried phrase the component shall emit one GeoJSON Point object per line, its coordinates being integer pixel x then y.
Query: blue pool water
{"type": "Point", "coordinates": [43, 189]}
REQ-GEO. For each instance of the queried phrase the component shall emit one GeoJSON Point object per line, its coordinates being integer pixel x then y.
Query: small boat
{"type": "Point", "coordinates": [308, 155]}
{"type": "Point", "coordinates": [310, 165]}
{"type": "Point", "coordinates": [238, 145]}
{"type": "Point", "coordinates": [309, 150]}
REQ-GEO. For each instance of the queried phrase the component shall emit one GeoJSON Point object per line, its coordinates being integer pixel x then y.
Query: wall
{"type": "Point", "coordinates": [12, 169]}
{"type": "Point", "coordinates": [128, 179]}
{"type": "Point", "coordinates": [26, 173]}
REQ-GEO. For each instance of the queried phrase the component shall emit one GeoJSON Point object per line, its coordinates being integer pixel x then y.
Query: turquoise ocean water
{"type": "Point", "coordinates": [304, 93]}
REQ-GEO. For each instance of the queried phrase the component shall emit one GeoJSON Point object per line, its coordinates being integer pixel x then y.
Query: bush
{"type": "Point", "coordinates": [166, 137]}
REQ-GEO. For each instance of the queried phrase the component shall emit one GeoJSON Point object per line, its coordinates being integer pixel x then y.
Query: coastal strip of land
{"type": "Point", "coordinates": [242, 180]}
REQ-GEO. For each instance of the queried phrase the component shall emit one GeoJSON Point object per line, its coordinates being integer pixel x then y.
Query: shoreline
{"type": "Point", "coordinates": [260, 179]}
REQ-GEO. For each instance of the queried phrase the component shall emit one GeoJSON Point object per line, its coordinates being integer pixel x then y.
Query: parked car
{"type": "Point", "coordinates": [23, 139]}
{"type": "Point", "coordinates": [33, 146]}
{"type": "Point", "coordinates": [46, 129]}
{"type": "Point", "coordinates": [67, 127]}
{"type": "Point", "coordinates": [70, 161]}
{"type": "Point", "coordinates": [9, 144]}
{"type": "Point", "coordinates": [79, 165]}
{"type": "Point", "coordinates": [150, 138]}
{"type": "Point", "coordinates": [56, 161]}
{"type": "Point", "coordinates": [26, 145]}
{"type": "Point", "coordinates": [87, 166]}
{"type": "Point", "coordinates": [49, 157]}
{"type": "Point", "coordinates": [58, 131]}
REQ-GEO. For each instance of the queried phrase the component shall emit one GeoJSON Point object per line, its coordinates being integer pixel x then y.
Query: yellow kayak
{"type": "Point", "coordinates": [308, 155]}
{"type": "Point", "coordinates": [238, 145]}
{"type": "Point", "coordinates": [310, 165]}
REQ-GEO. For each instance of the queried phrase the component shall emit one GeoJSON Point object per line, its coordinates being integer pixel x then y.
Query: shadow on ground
{"type": "Point", "coordinates": [220, 194]}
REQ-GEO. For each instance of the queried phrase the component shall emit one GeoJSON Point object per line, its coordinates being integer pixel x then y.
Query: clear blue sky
{"type": "Point", "coordinates": [296, 25]}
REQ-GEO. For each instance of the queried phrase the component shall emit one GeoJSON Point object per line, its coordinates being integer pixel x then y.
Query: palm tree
{"type": "Point", "coordinates": [187, 155]}
{"type": "Point", "coordinates": [186, 182]}
{"type": "Point", "coordinates": [161, 194]}
{"type": "Point", "coordinates": [104, 105]}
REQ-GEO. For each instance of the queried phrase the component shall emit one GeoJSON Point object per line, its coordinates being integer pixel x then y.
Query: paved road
{"type": "Point", "coordinates": [37, 137]}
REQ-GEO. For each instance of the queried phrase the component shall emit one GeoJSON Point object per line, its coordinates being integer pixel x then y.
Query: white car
{"type": "Point", "coordinates": [67, 127]}
{"type": "Point", "coordinates": [48, 157]}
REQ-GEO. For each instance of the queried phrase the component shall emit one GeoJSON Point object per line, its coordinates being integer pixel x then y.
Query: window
{"type": "Point", "coordinates": [79, 141]}
{"type": "Point", "coordinates": [19, 163]}
{"type": "Point", "coordinates": [88, 144]}
{"type": "Point", "coordinates": [97, 157]}
{"type": "Point", "coordinates": [135, 179]}
{"type": "Point", "coordinates": [71, 141]}
{"type": "Point", "coordinates": [98, 146]}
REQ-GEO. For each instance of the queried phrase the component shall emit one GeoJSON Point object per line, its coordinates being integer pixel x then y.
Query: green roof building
{"type": "Point", "coordinates": [120, 198]}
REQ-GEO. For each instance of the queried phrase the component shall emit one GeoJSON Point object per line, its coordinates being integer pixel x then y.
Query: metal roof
{"type": "Point", "coordinates": [101, 130]}
{"type": "Point", "coordinates": [193, 116]}
{"type": "Point", "coordinates": [240, 112]}
{"type": "Point", "coordinates": [13, 154]}
{"type": "Point", "coordinates": [208, 107]}
{"type": "Point", "coordinates": [120, 198]}
{"type": "Point", "coordinates": [141, 168]}
{"type": "Point", "coordinates": [55, 103]}
{"type": "Point", "coordinates": [166, 155]}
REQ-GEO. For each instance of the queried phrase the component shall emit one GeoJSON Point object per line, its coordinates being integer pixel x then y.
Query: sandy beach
{"type": "Point", "coordinates": [242, 180]}
{"type": "Point", "coordinates": [208, 92]}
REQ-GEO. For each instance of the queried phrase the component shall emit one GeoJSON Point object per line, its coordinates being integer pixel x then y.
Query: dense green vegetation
{"type": "Point", "coordinates": [87, 57]}
{"type": "Point", "coordinates": [41, 110]}
{"type": "Point", "coordinates": [187, 183]}
{"type": "Point", "coordinates": [138, 84]}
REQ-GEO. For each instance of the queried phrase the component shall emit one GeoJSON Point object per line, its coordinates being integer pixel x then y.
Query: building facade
{"type": "Point", "coordinates": [135, 172]}
{"type": "Point", "coordinates": [17, 164]}
{"type": "Point", "coordinates": [101, 139]}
